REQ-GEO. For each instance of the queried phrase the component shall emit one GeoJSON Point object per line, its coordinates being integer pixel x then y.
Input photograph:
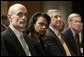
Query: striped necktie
{"type": "Point", "coordinates": [64, 45]}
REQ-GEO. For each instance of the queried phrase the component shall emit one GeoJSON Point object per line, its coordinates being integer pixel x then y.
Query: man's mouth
{"type": "Point", "coordinates": [22, 22]}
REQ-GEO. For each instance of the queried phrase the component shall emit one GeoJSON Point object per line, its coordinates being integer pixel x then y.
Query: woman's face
{"type": "Point", "coordinates": [41, 25]}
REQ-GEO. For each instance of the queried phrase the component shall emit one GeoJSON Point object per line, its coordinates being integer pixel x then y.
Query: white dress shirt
{"type": "Point", "coordinates": [18, 35]}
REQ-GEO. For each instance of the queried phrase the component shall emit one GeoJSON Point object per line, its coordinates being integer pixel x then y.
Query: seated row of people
{"type": "Point", "coordinates": [44, 35]}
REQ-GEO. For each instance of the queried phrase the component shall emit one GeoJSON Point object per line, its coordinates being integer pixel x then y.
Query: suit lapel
{"type": "Point", "coordinates": [30, 44]}
{"type": "Point", "coordinates": [71, 40]}
{"type": "Point", "coordinates": [15, 42]}
{"type": "Point", "coordinates": [57, 41]}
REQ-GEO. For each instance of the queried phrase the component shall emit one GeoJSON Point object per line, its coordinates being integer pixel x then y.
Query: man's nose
{"type": "Point", "coordinates": [44, 27]}
{"type": "Point", "coordinates": [59, 18]}
{"type": "Point", "coordinates": [23, 17]}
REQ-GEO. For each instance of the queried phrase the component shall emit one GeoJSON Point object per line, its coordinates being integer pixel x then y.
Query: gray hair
{"type": "Point", "coordinates": [13, 8]}
{"type": "Point", "coordinates": [49, 12]}
{"type": "Point", "coordinates": [73, 15]}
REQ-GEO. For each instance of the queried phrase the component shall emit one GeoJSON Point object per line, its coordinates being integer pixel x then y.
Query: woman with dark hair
{"type": "Point", "coordinates": [37, 28]}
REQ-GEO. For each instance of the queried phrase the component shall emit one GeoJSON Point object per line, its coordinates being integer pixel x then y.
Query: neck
{"type": "Point", "coordinates": [75, 30]}
{"type": "Point", "coordinates": [18, 28]}
{"type": "Point", "coordinates": [54, 27]}
{"type": "Point", "coordinates": [36, 35]}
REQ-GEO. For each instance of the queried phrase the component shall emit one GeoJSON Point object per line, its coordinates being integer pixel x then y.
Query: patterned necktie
{"type": "Point", "coordinates": [77, 43]}
{"type": "Point", "coordinates": [25, 46]}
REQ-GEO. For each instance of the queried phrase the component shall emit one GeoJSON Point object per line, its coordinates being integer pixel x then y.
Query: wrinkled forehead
{"type": "Point", "coordinates": [76, 18]}
{"type": "Point", "coordinates": [56, 13]}
{"type": "Point", "coordinates": [17, 7]}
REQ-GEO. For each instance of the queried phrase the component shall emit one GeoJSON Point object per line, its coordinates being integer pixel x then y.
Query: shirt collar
{"type": "Point", "coordinates": [73, 32]}
{"type": "Point", "coordinates": [54, 30]}
{"type": "Point", "coordinates": [17, 33]}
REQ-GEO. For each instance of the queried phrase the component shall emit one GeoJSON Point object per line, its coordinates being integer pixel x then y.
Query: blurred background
{"type": "Point", "coordinates": [66, 7]}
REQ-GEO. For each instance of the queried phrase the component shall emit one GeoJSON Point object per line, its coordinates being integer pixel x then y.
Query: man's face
{"type": "Point", "coordinates": [61, 27]}
{"type": "Point", "coordinates": [19, 18]}
{"type": "Point", "coordinates": [6, 22]}
{"type": "Point", "coordinates": [56, 19]}
{"type": "Point", "coordinates": [75, 23]}
{"type": "Point", "coordinates": [41, 25]}
{"type": "Point", "coordinates": [81, 27]}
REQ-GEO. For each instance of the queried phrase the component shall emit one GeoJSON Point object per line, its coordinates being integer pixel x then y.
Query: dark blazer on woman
{"type": "Point", "coordinates": [39, 46]}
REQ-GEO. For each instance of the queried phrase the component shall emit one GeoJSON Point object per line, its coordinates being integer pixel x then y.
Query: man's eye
{"type": "Point", "coordinates": [56, 16]}
{"type": "Point", "coordinates": [41, 23]}
{"type": "Point", "coordinates": [19, 14]}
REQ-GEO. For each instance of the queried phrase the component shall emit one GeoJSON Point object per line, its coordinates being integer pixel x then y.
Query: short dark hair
{"type": "Point", "coordinates": [4, 17]}
{"type": "Point", "coordinates": [34, 18]}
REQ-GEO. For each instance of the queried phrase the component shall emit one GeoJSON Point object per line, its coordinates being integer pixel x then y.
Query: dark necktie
{"type": "Point", "coordinates": [77, 43]}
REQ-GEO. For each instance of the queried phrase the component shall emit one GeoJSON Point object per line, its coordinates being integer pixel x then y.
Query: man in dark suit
{"type": "Point", "coordinates": [81, 37]}
{"type": "Point", "coordinates": [54, 44]}
{"type": "Point", "coordinates": [11, 41]}
{"type": "Point", "coordinates": [2, 28]}
{"type": "Point", "coordinates": [4, 23]}
{"type": "Point", "coordinates": [74, 21]}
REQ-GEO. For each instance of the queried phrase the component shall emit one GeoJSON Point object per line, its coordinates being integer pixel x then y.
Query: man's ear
{"type": "Point", "coordinates": [69, 23]}
{"type": "Point", "coordinates": [9, 17]}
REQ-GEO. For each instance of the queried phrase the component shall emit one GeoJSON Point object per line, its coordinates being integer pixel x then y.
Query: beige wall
{"type": "Point", "coordinates": [64, 6]}
{"type": "Point", "coordinates": [32, 6]}
{"type": "Point", "coordinates": [4, 7]}
{"type": "Point", "coordinates": [35, 6]}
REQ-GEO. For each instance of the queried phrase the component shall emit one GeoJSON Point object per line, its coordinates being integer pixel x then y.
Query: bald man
{"type": "Point", "coordinates": [11, 44]}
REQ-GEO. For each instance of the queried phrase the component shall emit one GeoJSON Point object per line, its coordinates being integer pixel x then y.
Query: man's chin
{"type": "Point", "coordinates": [43, 33]}
{"type": "Point", "coordinates": [77, 30]}
{"type": "Point", "coordinates": [22, 27]}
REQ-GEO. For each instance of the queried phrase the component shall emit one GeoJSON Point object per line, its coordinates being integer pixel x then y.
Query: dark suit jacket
{"type": "Point", "coordinates": [69, 38]}
{"type": "Point", "coordinates": [11, 45]}
{"type": "Point", "coordinates": [81, 39]}
{"type": "Point", "coordinates": [54, 45]}
{"type": "Point", "coordinates": [39, 46]}
{"type": "Point", "coordinates": [2, 28]}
